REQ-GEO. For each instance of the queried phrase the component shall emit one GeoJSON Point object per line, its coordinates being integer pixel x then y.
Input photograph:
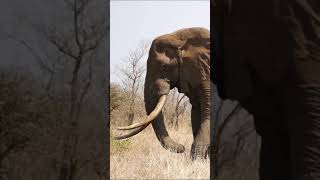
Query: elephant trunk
{"type": "Point", "coordinates": [152, 95]}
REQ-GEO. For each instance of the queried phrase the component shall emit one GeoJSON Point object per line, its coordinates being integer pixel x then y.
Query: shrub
{"type": "Point", "coordinates": [117, 146]}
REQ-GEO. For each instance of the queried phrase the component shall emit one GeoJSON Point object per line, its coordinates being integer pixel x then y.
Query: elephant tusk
{"type": "Point", "coordinates": [150, 117]}
{"type": "Point", "coordinates": [132, 133]}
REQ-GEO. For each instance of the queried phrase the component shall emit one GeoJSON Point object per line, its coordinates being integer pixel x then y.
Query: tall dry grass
{"type": "Point", "coordinates": [142, 157]}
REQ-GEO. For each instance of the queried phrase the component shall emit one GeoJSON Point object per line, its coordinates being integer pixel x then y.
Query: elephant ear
{"type": "Point", "coordinates": [231, 75]}
{"type": "Point", "coordinates": [196, 62]}
{"type": "Point", "coordinates": [237, 77]}
{"type": "Point", "coordinates": [165, 48]}
{"type": "Point", "coordinates": [217, 63]}
{"type": "Point", "coordinates": [200, 48]}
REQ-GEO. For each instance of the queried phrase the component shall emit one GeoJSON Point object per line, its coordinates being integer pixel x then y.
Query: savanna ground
{"type": "Point", "coordinates": [142, 157]}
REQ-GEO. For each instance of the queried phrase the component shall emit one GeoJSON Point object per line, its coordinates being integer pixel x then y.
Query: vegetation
{"type": "Point", "coordinates": [119, 146]}
{"type": "Point", "coordinates": [53, 124]}
{"type": "Point", "coordinates": [146, 159]}
{"type": "Point", "coordinates": [142, 156]}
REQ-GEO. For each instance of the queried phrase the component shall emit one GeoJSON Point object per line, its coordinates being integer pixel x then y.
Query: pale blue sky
{"type": "Point", "coordinates": [133, 21]}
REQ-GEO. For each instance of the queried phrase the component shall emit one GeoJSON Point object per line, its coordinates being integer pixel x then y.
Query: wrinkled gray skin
{"type": "Point", "coordinates": [267, 57]}
{"type": "Point", "coordinates": [181, 59]}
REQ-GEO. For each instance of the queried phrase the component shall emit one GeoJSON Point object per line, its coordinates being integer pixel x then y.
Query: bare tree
{"type": "Point", "coordinates": [70, 52]}
{"type": "Point", "coordinates": [116, 96]}
{"type": "Point", "coordinates": [77, 46]}
{"type": "Point", "coordinates": [131, 74]}
{"type": "Point", "coordinates": [179, 109]}
{"type": "Point", "coordinates": [175, 107]}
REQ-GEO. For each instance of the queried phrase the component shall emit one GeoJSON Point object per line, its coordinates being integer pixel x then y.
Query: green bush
{"type": "Point", "coordinates": [119, 145]}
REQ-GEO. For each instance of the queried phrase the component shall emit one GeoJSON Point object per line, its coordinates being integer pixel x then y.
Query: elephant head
{"type": "Point", "coordinates": [180, 59]}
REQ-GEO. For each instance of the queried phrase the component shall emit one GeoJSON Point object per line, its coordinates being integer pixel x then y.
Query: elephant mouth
{"type": "Point", "coordinates": [142, 125]}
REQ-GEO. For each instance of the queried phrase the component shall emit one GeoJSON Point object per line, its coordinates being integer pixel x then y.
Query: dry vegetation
{"type": "Point", "coordinates": [52, 112]}
{"type": "Point", "coordinates": [144, 158]}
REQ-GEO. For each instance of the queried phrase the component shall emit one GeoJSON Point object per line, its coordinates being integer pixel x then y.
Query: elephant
{"type": "Point", "coordinates": [181, 60]}
{"type": "Point", "coordinates": [266, 55]}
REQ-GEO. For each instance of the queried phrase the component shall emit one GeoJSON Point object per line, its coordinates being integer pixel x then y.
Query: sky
{"type": "Point", "coordinates": [135, 21]}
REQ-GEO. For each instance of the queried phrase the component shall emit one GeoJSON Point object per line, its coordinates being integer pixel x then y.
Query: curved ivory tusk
{"type": "Point", "coordinates": [132, 133]}
{"type": "Point", "coordinates": [150, 117]}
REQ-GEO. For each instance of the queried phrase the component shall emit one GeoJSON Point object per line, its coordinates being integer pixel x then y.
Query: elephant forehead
{"type": "Point", "coordinates": [168, 41]}
{"type": "Point", "coordinates": [194, 52]}
{"type": "Point", "coordinates": [178, 38]}
{"type": "Point", "coordinates": [187, 33]}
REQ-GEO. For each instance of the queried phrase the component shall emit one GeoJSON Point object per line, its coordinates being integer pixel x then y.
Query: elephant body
{"type": "Point", "coordinates": [179, 60]}
{"type": "Point", "coordinates": [267, 56]}
{"type": "Point", "coordinates": [182, 59]}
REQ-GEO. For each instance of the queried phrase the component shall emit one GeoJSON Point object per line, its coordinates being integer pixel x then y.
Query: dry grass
{"type": "Point", "coordinates": [142, 157]}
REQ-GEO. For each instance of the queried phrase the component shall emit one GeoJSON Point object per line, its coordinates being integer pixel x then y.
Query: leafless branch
{"type": "Point", "coordinates": [39, 59]}
{"type": "Point", "coordinates": [88, 84]}
{"type": "Point", "coordinates": [63, 48]}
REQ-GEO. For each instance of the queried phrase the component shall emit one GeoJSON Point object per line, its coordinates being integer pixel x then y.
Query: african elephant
{"type": "Point", "coordinates": [266, 55]}
{"type": "Point", "coordinates": [180, 59]}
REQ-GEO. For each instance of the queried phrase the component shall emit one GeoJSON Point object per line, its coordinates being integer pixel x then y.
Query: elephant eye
{"type": "Point", "coordinates": [164, 67]}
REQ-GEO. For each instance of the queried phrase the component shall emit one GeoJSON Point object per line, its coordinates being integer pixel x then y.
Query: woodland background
{"type": "Point", "coordinates": [54, 89]}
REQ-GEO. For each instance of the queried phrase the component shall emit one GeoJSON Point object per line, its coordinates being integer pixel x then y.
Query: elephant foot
{"type": "Point", "coordinates": [173, 146]}
{"type": "Point", "coordinates": [200, 151]}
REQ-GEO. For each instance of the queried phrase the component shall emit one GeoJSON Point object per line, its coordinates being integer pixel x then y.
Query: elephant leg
{"type": "Point", "coordinates": [293, 115]}
{"type": "Point", "coordinates": [201, 124]}
{"type": "Point", "coordinates": [303, 111]}
{"type": "Point", "coordinates": [274, 158]}
{"type": "Point", "coordinates": [200, 145]}
{"type": "Point", "coordinates": [195, 119]}
{"type": "Point", "coordinates": [274, 154]}
{"type": "Point", "coordinates": [269, 122]}
{"type": "Point", "coordinates": [303, 116]}
{"type": "Point", "coordinates": [311, 134]}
